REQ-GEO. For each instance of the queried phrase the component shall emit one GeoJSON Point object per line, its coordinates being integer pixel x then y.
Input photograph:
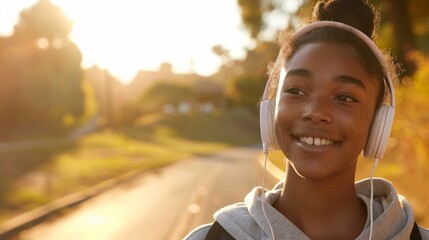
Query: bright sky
{"type": "Point", "coordinates": [125, 36]}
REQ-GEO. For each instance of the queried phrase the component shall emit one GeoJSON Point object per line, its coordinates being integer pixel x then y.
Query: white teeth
{"type": "Point", "coordinates": [315, 141]}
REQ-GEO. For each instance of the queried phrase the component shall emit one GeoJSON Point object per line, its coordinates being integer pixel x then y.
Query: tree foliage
{"type": "Point", "coordinates": [409, 20]}
{"type": "Point", "coordinates": [256, 15]}
{"type": "Point", "coordinates": [43, 20]}
{"type": "Point", "coordinates": [40, 74]}
{"type": "Point", "coordinates": [245, 91]}
{"type": "Point", "coordinates": [163, 93]}
{"type": "Point", "coordinates": [251, 15]}
{"type": "Point", "coordinates": [245, 79]}
{"type": "Point", "coordinates": [410, 133]}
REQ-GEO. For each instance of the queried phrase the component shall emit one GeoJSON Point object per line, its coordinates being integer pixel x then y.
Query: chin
{"type": "Point", "coordinates": [307, 173]}
{"type": "Point", "coordinates": [320, 173]}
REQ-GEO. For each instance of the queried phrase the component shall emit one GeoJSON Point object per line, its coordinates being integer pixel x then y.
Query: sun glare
{"type": "Point", "coordinates": [127, 35]}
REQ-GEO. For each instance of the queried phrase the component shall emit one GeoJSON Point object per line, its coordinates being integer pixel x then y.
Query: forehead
{"type": "Point", "coordinates": [325, 63]}
{"type": "Point", "coordinates": [312, 53]}
{"type": "Point", "coordinates": [329, 58]}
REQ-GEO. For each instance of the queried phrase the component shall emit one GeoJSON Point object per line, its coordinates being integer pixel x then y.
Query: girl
{"type": "Point", "coordinates": [329, 98]}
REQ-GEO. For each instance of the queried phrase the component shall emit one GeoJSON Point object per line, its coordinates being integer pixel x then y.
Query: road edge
{"type": "Point", "coordinates": [15, 225]}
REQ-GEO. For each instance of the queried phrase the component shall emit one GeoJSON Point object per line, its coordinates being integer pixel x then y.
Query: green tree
{"type": "Point", "coordinates": [43, 20]}
{"type": "Point", "coordinates": [41, 73]}
{"type": "Point", "coordinates": [252, 69]}
{"type": "Point", "coordinates": [257, 16]}
{"type": "Point", "coordinates": [222, 53]}
{"type": "Point", "coordinates": [410, 24]}
{"type": "Point", "coordinates": [251, 15]}
{"type": "Point", "coordinates": [163, 92]}
{"type": "Point", "coordinates": [245, 91]}
{"type": "Point", "coordinates": [409, 21]}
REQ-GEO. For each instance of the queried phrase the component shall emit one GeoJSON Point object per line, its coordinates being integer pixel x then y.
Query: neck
{"type": "Point", "coordinates": [324, 208]}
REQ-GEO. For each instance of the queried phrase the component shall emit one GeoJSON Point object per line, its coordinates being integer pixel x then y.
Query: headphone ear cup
{"type": "Point", "coordinates": [266, 117]}
{"type": "Point", "coordinates": [380, 132]}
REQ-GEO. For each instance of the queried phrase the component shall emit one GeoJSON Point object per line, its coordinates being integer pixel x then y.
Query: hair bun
{"type": "Point", "coordinates": [356, 13]}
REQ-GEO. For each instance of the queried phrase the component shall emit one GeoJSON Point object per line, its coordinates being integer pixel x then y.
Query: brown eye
{"type": "Point", "coordinates": [294, 91]}
{"type": "Point", "coordinates": [344, 98]}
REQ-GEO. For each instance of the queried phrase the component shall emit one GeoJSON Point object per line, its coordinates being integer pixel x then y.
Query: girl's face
{"type": "Point", "coordinates": [324, 108]}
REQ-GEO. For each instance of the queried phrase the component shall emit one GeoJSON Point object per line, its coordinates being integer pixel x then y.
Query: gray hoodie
{"type": "Point", "coordinates": [394, 217]}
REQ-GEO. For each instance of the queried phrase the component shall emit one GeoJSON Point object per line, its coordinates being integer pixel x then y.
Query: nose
{"type": "Point", "coordinates": [317, 111]}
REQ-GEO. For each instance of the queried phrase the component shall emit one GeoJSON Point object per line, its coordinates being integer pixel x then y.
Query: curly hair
{"type": "Point", "coordinates": [356, 13]}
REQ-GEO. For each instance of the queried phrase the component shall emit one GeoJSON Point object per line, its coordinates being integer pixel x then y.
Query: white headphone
{"type": "Point", "coordinates": [383, 119]}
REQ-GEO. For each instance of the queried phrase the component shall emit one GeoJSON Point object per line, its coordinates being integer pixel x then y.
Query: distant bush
{"type": "Point", "coordinates": [163, 93]}
{"type": "Point", "coordinates": [245, 91]}
{"type": "Point", "coordinates": [409, 141]}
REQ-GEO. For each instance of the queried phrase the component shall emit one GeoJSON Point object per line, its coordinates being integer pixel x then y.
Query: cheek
{"type": "Point", "coordinates": [281, 116]}
{"type": "Point", "coordinates": [362, 126]}
{"type": "Point", "coordinates": [283, 120]}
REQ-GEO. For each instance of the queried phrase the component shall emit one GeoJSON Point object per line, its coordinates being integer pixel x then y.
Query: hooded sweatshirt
{"type": "Point", "coordinates": [393, 216]}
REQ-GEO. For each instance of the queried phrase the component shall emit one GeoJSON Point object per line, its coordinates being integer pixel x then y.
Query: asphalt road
{"type": "Point", "coordinates": [161, 205]}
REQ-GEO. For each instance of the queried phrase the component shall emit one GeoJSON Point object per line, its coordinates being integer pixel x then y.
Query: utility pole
{"type": "Point", "coordinates": [110, 113]}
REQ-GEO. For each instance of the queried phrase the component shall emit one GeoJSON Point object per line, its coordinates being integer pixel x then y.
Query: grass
{"type": "Point", "coordinates": [44, 175]}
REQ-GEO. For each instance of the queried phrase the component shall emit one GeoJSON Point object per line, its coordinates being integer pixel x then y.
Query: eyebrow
{"type": "Point", "coordinates": [342, 78]}
{"type": "Point", "coordinates": [298, 72]}
{"type": "Point", "coordinates": [352, 80]}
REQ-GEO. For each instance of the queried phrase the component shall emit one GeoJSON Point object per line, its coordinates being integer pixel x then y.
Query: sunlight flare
{"type": "Point", "coordinates": [127, 36]}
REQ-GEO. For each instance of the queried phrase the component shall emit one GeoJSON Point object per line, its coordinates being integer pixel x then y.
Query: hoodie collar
{"type": "Point", "coordinates": [393, 215]}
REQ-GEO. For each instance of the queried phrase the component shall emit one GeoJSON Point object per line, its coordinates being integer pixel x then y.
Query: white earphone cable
{"type": "Point", "coordinates": [371, 200]}
{"type": "Point", "coordinates": [265, 150]}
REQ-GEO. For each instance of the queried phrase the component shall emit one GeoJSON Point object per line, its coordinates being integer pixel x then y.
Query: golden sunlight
{"type": "Point", "coordinates": [126, 36]}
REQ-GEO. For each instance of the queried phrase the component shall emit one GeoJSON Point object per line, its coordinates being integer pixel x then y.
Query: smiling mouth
{"type": "Point", "coordinates": [316, 141]}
